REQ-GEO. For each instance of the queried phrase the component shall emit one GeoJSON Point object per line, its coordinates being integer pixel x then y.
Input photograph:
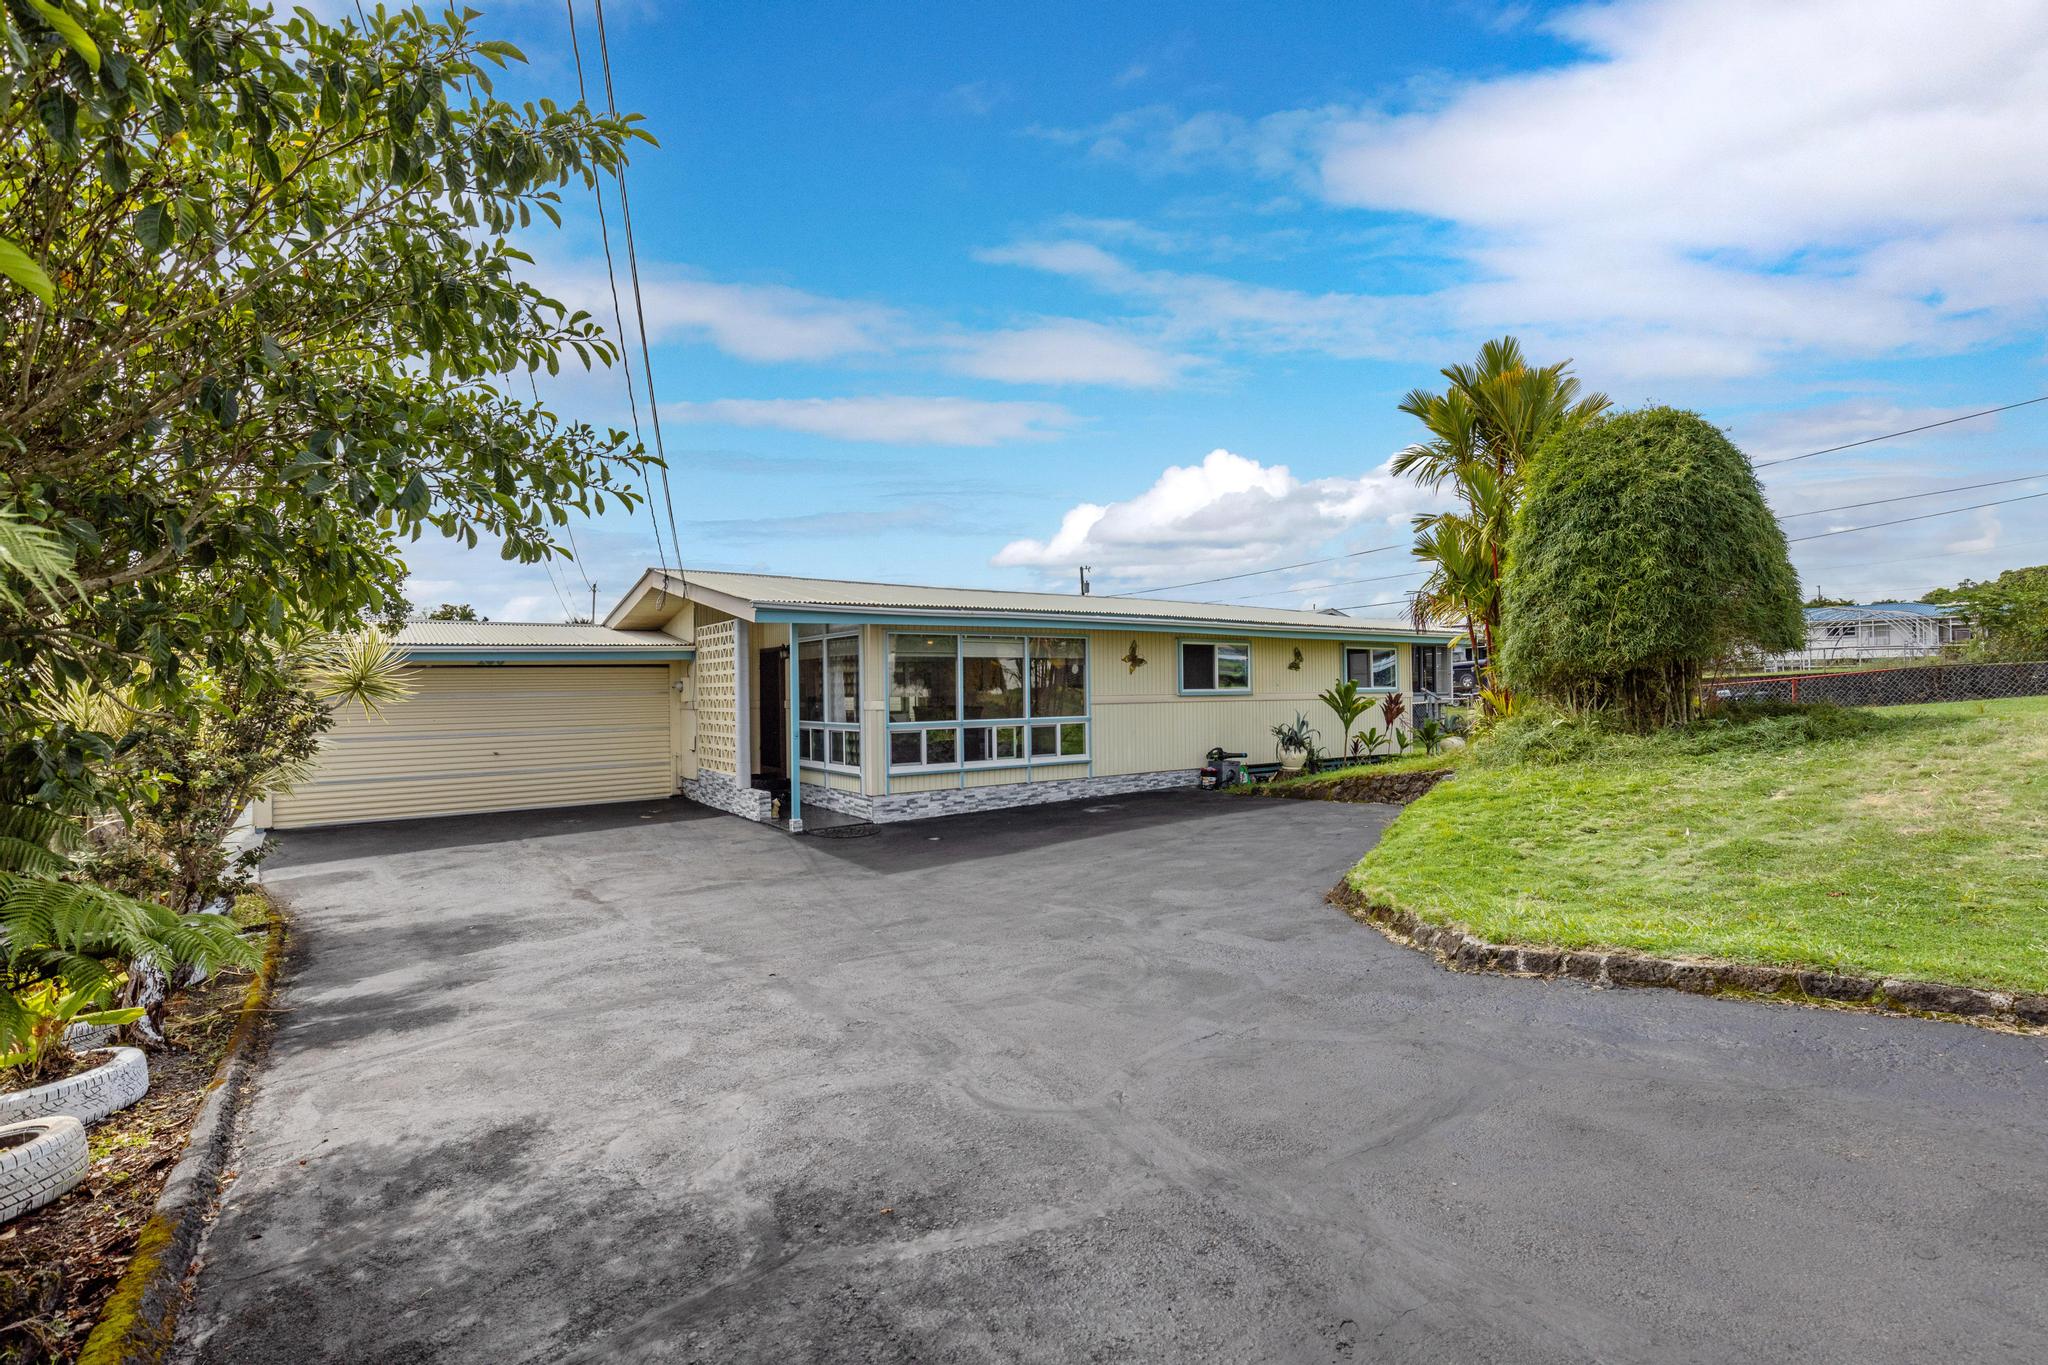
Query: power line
{"type": "Point", "coordinates": [604, 232]}
{"type": "Point", "coordinates": [1339, 583]}
{"type": "Point", "coordinates": [604, 48]}
{"type": "Point", "coordinates": [1894, 435]}
{"type": "Point", "coordinates": [1926, 516]}
{"type": "Point", "coordinates": [1912, 497]}
{"type": "Point", "coordinates": [1944, 554]}
{"type": "Point", "coordinates": [1232, 577]}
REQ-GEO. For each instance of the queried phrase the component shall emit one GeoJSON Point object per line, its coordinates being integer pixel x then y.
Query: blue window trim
{"type": "Point", "coordinates": [1180, 678]}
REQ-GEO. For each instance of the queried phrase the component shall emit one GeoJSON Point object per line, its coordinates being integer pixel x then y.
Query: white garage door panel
{"type": "Point", "coordinates": [484, 739]}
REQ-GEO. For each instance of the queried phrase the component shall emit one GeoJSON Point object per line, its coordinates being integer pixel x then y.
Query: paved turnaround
{"type": "Point", "coordinates": [646, 1083]}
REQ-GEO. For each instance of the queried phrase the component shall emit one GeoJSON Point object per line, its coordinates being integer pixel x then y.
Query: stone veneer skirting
{"type": "Point", "coordinates": [722, 791]}
{"type": "Point", "coordinates": [965, 800]}
{"type": "Point", "coordinates": [844, 802]}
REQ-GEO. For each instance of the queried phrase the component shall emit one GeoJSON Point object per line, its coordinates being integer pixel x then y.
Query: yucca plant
{"type": "Point", "coordinates": [60, 934]}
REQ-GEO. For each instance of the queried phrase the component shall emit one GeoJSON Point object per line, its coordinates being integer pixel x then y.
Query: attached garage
{"type": "Point", "coordinates": [504, 733]}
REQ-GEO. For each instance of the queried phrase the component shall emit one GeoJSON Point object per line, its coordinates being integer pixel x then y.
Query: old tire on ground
{"type": "Point", "coordinates": [49, 1163]}
{"type": "Point", "coordinates": [87, 1097]}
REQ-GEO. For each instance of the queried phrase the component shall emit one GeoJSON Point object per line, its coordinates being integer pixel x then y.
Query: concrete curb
{"type": "Point", "coordinates": [1460, 951]}
{"type": "Point", "coordinates": [140, 1321]}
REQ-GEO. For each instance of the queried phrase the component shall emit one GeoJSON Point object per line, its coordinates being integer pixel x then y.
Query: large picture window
{"type": "Point", "coordinates": [924, 678]}
{"type": "Point", "coordinates": [1059, 684]}
{"type": "Point", "coordinates": [1378, 669]}
{"type": "Point", "coordinates": [968, 701]}
{"type": "Point", "coordinates": [991, 678]}
{"type": "Point", "coordinates": [1215, 666]}
{"type": "Point", "coordinates": [828, 701]}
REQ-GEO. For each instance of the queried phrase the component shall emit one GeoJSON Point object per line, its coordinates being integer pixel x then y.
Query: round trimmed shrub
{"type": "Point", "coordinates": [1642, 553]}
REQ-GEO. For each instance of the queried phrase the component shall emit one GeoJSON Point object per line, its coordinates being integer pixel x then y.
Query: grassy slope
{"type": "Point", "coordinates": [1448, 758]}
{"type": "Point", "coordinates": [1919, 849]}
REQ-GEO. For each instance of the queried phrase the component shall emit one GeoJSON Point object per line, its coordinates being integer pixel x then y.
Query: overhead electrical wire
{"type": "Point", "coordinates": [1925, 516]}
{"type": "Point", "coordinates": [1894, 435]}
{"type": "Point", "coordinates": [604, 232]}
{"type": "Point", "coordinates": [604, 49]}
{"type": "Point", "coordinates": [1232, 577]}
{"type": "Point", "coordinates": [1913, 497]}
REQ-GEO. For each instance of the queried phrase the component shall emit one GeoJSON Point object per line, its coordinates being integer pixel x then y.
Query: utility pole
{"type": "Point", "coordinates": [1084, 579]}
{"type": "Point", "coordinates": [593, 604]}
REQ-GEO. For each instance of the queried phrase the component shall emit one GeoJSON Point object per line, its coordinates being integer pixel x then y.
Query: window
{"type": "Point", "coordinates": [1210, 666]}
{"type": "Point", "coordinates": [924, 679]}
{"type": "Point", "coordinates": [828, 700]}
{"type": "Point", "coordinates": [992, 678]}
{"type": "Point", "coordinates": [969, 701]}
{"type": "Point", "coordinates": [1058, 677]}
{"type": "Point", "coordinates": [1378, 669]}
{"type": "Point", "coordinates": [1841, 630]}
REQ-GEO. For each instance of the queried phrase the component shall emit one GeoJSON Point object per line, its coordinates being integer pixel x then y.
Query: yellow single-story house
{"type": "Point", "coordinates": [908, 701]}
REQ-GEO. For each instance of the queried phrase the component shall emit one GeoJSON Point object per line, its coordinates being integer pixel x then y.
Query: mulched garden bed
{"type": "Point", "coordinates": [59, 1264]}
{"type": "Point", "coordinates": [1393, 789]}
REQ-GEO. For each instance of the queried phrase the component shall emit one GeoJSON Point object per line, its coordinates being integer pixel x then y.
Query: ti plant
{"type": "Point", "coordinates": [1431, 735]}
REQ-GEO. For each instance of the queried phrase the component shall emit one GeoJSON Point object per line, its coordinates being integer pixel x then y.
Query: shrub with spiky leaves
{"type": "Point", "coordinates": [1642, 553]}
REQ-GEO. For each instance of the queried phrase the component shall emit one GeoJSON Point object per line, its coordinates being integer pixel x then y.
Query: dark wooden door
{"type": "Point", "coordinates": [775, 711]}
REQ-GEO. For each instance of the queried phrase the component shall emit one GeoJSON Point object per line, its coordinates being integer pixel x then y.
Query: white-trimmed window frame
{"type": "Point", "coordinates": [1214, 643]}
{"type": "Point", "coordinates": [829, 737]}
{"type": "Point", "coordinates": [1027, 724]}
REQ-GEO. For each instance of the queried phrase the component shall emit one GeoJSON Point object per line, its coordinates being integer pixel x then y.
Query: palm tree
{"type": "Point", "coordinates": [1483, 430]}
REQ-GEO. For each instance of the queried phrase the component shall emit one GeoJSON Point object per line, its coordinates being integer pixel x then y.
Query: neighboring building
{"type": "Point", "coordinates": [1882, 632]}
{"type": "Point", "coordinates": [911, 701]}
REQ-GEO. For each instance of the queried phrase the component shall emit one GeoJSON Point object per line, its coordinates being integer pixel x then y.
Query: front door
{"type": "Point", "coordinates": [775, 712]}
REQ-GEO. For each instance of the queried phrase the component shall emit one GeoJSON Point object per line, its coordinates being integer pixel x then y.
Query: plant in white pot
{"type": "Point", "coordinates": [1294, 741]}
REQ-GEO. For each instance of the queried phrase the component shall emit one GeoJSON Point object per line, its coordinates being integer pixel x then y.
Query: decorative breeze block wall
{"type": "Point", "coordinates": [717, 672]}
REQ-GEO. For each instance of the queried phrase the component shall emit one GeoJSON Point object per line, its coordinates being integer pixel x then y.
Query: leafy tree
{"type": "Point", "coordinates": [1822, 600]}
{"type": "Point", "coordinates": [281, 295]}
{"type": "Point", "coordinates": [2008, 615]}
{"type": "Point", "coordinates": [455, 611]}
{"type": "Point", "coordinates": [1642, 553]}
{"type": "Point", "coordinates": [1483, 430]}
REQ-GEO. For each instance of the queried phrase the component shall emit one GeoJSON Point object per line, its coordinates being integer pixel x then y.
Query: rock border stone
{"type": "Point", "coordinates": [139, 1324]}
{"type": "Point", "coordinates": [1458, 950]}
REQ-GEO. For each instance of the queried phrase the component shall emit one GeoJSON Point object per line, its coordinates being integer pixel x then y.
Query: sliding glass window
{"type": "Point", "coordinates": [828, 701]}
{"type": "Point", "coordinates": [971, 701]}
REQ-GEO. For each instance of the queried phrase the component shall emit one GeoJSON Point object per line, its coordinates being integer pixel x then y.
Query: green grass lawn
{"type": "Point", "coordinates": [1412, 762]}
{"type": "Point", "coordinates": [1908, 841]}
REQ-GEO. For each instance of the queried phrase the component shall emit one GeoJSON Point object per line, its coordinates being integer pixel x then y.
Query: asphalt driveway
{"type": "Point", "coordinates": [1104, 1084]}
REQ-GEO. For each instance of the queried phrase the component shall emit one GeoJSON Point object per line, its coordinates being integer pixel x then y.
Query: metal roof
{"type": "Point", "coordinates": [429, 638]}
{"type": "Point", "coordinates": [908, 599]}
{"type": "Point", "coordinates": [1823, 616]}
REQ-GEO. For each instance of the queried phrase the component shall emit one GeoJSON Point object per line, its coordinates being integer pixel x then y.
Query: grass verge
{"type": "Point", "coordinates": [1909, 842]}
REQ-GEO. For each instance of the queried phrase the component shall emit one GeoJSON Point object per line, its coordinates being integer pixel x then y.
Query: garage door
{"type": "Point", "coordinates": [493, 738]}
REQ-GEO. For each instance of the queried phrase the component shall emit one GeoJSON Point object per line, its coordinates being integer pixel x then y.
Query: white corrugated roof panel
{"type": "Point", "coordinates": [776, 590]}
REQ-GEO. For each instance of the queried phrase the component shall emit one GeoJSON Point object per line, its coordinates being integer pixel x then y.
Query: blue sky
{"type": "Point", "coordinates": [973, 294]}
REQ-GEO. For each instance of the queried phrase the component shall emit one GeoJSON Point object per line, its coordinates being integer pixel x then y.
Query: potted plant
{"type": "Point", "coordinates": [1294, 740]}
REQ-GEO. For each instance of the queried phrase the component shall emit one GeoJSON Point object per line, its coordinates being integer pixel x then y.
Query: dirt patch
{"type": "Point", "coordinates": [1391, 789]}
{"type": "Point", "coordinates": [59, 1264]}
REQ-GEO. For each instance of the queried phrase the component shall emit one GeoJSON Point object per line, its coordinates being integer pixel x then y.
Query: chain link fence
{"type": "Point", "coordinates": [1887, 686]}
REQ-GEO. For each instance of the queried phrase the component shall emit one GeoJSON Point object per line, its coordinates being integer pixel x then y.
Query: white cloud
{"type": "Point", "coordinates": [895, 420]}
{"type": "Point", "coordinates": [1224, 515]}
{"type": "Point", "coordinates": [1067, 351]}
{"type": "Point", "coordinates": [1716, 188]}
{"type": "Point", "coordinates": [759, 322]}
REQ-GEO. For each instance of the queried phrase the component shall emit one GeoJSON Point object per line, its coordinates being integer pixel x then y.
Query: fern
{"type": "Point", "coordinates": [30, 554]}
{"type": "Point", "coordinates": [52, 930]}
